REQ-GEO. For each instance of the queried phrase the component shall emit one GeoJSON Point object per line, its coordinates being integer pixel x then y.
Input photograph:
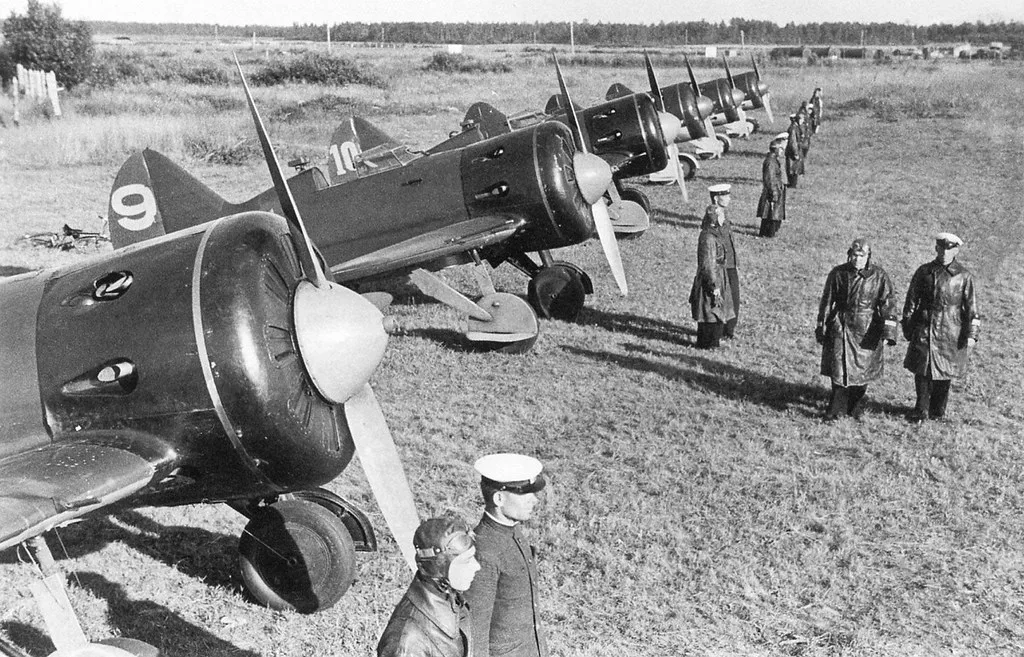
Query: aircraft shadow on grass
{"type": "Point", "coordinates": [717, 377]}
{"type": "Point", "coordinates": [641, 327]}
{"type": "Point", "coordinates": [155, 624]}
{"type": "Point", "coordinates": [679, 220]}
{"type": "Point", "coordinates": [197, 553]}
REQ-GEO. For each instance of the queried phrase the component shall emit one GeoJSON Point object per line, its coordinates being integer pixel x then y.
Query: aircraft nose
{"type": "Point", "coordinates": [341, 338]}
{"type": "Point", "coordinates": [705, 106]}
{"type": "Point", "coordinates": [593, 175]}
{"type": "Point", "coordinates": [669, 126]}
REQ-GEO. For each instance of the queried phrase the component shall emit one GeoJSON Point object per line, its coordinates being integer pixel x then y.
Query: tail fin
{"type": "Point", "coordinates": [359, 148]}
{"type": "Point", "coordinates": [153, 196]}
{"type": "Point", "coordinates": [617, 90]}
{"type": "Point", "coordinates": [557, 105]}
{"type": "Point", "coordinates": [492, 122]}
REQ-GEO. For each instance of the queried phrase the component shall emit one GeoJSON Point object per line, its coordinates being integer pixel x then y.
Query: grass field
{"type": "Point", "coordinates": [697, 505]}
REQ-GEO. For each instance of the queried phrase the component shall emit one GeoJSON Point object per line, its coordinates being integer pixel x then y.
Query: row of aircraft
{"type": "Point", "coordinates": [221, 352]}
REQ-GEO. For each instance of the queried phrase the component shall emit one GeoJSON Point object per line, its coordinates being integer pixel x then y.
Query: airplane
{"type": "Point", "coordinates": [496, 200]}
{"type": "Point", "coordinates": [732, 96]}
{"type": "Point", "coordinates": [694, 113]}
{"type": "Point", "coordinates": [627, 132]}
{"type": "Point", "coordinates": [219, 363]}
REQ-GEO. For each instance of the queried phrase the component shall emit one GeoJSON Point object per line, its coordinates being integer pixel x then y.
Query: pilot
{"type": "Point", "coordinates": [803, 114]}
{"type": "Point", "coordinates": [856, 318]}
{"type": "Point", "coordinates": [771, 207]}
{"type": "Point", "coordinates": [712, 298]}
{"type": "Point", "coordinates": [941, 321]}
{"type": "Point", "coordinates": [794, 161]}
{"type": "Point", "coordinates": [432, 618]}
{"type": "Point", "coordinates": [503, 597]}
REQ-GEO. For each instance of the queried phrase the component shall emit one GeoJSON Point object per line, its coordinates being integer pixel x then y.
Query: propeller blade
{"type": "Point", "coordinates": [379, 458]}
{"type": "Point", "coordinates": [659, 100]}
{"type": "Point", "coordinates": [307, 257]}
{"type": "Point", "coordinates": [757, 73]}
{"type": "Point", "coordinates": [429, 284]}
{"type": "Point", "coordinates": [693, 79]}
{"type": "Point", "coordinates": [574, 122]}
{"type": "Point", "coordinates": [767, 98]}
{"type": "Point", "coordinates": [728, 73]}
{"type": "Point", "coordinates": [609, 243]}
{"type": "Point", "coordinates": [673, 152]}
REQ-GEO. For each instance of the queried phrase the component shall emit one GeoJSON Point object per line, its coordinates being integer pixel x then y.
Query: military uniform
{"type": "Point", "coordinates": [817, 107]}
{"type": "Point", "coordinates": [794, 161]}
{"type": "Point", "coordinates": [856, 317]}
{"type": "Point", "coordinates": [427, 623]}
{"type": "Point", "coordinates": [771, 207]}
{"type": "Point", "coordinates": [714, 246]}
{"type": "Point", "coordinates": [939, 317]}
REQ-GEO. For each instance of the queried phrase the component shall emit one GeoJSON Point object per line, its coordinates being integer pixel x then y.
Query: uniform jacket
{"type": "Point", "coordinates": [711, 274]}
{"type": "Point", "coordinates": [857, 314]}
{"type": "Point", "coordinates": [427, 623]}
{"type": "Point", "coordinates": [503, 597]}
{"type": "Point", "coordinates": [940, 314]}
{"type": "Point", "coordinates": [794, 155]}
{"type": "Point", "coordinates": [817, 107]}
{"type": "Point", "coordinates": [772, 204]}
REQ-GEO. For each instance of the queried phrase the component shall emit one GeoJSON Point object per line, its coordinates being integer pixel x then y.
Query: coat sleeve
{"type": "Point", "coordinates": [912, 303]}
{"type": "Point", "coordinates": [827, 301]}
{"type": "Point", "coordinates": [886, 308]}
{"type": "Point", "coordinates": [706, 263]}
{"type": "Point", "coordinates": [481, 596]}
{"type": "Point", "coordinates": [970, 318]}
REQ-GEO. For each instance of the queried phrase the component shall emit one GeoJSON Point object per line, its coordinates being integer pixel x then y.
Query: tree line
{"type": "Point", "coordinates": [736, 30]}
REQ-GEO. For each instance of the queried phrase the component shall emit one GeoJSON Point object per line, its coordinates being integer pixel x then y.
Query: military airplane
{"type": "Point", "coordinates": [217, 363]}
{"type": "Point", "coordinates": [694, 113]}
{"type": "Point", "coordinates": [401, 212]}
{"type": "Point", "coordinates": [628, 132]}
{"type": "Point", "coordinates": [732, 96]}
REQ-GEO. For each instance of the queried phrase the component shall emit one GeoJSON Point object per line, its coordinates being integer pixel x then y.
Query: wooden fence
{"type": "Point", "coordinates": [34, 87]}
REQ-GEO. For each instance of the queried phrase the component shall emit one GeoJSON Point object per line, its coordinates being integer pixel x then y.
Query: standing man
{"type": "Point", "coordinates": [771, 207]}
{"type": "Point", "coordinates": [503, 597]}
{"type": "Point", "coordinates": [816, 109]}
{"type": "Point", "coordinates": [941, 321]}
{"type": "Point", "coordinates": [857, 315]}
{"type": "Point", "coordinates": [805, 131]}
{"type": "Point", "coordinates": [794, 163]}
{"type": "Point", "coordinates": [432, 619]}
{"type": "Point", "coordinates": [712, 299]}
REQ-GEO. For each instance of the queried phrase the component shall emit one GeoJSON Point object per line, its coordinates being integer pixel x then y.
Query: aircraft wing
{"type": "Point", "coordinates": [474, 233]}
{"type": "Point", "coordinates": [66, 479]}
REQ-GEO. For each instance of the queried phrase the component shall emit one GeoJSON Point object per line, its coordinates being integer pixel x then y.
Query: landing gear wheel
{"type": "Point", "coordinates": [296, 555]}
{"type": "Point", "coordinates": [512, 329]}
{"type": "Point", "coordinates": [689, 168]}
{"type": "Point", "coordinates": [754, 126]}
{"type": "Point", "coordinates": [637, 196]}
{"type": "Point", "coordinates": [726, 142]}
{"type": "Point", "coordinates": [558, 291]}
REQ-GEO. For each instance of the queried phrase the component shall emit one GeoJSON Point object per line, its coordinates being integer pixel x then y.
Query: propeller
{"type": "Point", "coordinates": [762, 91]}
{"type": "Point", "coordinates": [737, 95]}
{"type": "Point", "coordinates": [673, 149]}
{"type": "Point", "coordinates": [341, 341]}
{"type": "Point", "coordinates": [593, 169]}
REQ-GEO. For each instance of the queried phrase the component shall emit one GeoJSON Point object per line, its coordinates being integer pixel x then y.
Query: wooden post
{"type": "Point", "coordinates": [328, 38]}
{"type": "Point", "coordinates": [51, 91]}
{"type": "Point", "coordinates": [15, 93]}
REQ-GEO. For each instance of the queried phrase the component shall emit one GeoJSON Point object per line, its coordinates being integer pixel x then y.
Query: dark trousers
{"type": "Point", "coordinates": [769, 227]}
{"type": "Point", "coordinates": [848, 400]}
{"type": "Point", "coordinates": [932, 396]}
{"type": "Point", "coordinates": [791, 179]}
{"type": "Point", "coordinates": [734, 282]}
{"type": "Point", "coordinates": [709, 334]}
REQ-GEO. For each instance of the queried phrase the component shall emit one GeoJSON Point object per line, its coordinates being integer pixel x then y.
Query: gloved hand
{"type": "Point", "coordinates": [819, 335]}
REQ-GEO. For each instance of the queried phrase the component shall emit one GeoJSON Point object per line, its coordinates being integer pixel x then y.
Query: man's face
{"type": "Point", "coordinates": [515, 506]}
{"type": "Point", "coordinates": [947, 253]}
{"type": "Point", "coordinates": [858, 260]}
{"type": "Point", "coordinates": [463, 569]}
{"type": "Point", "coordinates": [723, 200]}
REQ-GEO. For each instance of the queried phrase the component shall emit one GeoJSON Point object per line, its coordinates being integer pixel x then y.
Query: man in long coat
{"type": "Point", "coordinates": [794, 161]}
{"type": "Point", "coordinates": [942, 323]}
{"type": "Point", "coordinates": [712, 300]}
{"type": "Point", "coordinates": [856, 316]}
{"type": "Point", "coordinates": [817, 107]}
{"type": "Point", "coordinates": [771, 207]}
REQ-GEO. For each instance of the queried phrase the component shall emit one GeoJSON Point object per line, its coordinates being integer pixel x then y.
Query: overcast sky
{"type": "Point", "coordinates": [287, 12]}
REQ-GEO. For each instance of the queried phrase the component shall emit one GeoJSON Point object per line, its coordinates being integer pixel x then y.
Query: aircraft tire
{"type": "Point", "coordinates": [637, 196]}
{"type": "Point", "coordinates": [557, 292]}
{"type": "Point", "coordinates": [689, 167]}
{"type": "Point", "coordinates": [296, 555]}
{"type": "Point", "coordinates": [726, 142]}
